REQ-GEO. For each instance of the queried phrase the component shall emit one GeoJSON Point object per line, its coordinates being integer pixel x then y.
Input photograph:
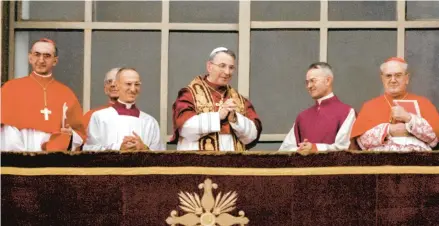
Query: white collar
{"type": "Point", "coordinates": [325, 97]}
{"type": "Point", "coordinates": [44, 76]}
{"type": "Point", "coordinates": [127, 105]}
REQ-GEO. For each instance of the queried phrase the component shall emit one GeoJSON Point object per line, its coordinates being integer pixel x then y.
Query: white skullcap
{"type": "Point", "coordinates": [219, 49]}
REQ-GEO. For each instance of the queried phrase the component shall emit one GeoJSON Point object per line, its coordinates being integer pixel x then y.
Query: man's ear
{"type": "Point", "coordinates": [208, 67]}
{"type": "Point", "coordinates": [29, 57]}
{"type": "Point", "coordinates": [329, 79]}
{"type": "Point", "coordinates": [55, 61]}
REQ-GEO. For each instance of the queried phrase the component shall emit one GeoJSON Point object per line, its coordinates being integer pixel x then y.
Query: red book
{"type": "Point", "coordinates": [411, 106]}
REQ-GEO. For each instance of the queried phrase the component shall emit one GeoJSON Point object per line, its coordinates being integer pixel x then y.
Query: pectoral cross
{"type": "Point", "coordinates": [46, 113]}
{"type": "Point", "coordinates": [220, 103]}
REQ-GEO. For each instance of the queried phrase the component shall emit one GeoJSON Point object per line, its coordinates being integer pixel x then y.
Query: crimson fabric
{"type": "Point", "coordinates": [321, 122]}
{"type": "Point", "coordinates": [184, 108]}
{"type": "Point", "coordinates": [214, 159]}
{"type": "Point", "coordinates": [266, 200]}
{"type": "Point", "coordinates": [123, 110]}
{"type": "Point", "coordinates": [396, 59]}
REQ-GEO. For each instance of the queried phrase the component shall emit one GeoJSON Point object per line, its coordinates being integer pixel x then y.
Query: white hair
{"type": "Point", "coordinates": [113, 70]}
{"type": "Point", "coordinates": [323, 66]}
{"type": "Point", "coordinates": [403, 65]}
{"type": "Point", "coordinates": [327, 71]}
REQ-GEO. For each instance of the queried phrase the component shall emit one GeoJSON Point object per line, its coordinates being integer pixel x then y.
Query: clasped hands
{"type": "Point", "coordinates": [228, 110]}
{"type": "Point", "coordinates": [401, 117]}
{"type": "Point", "coordinates": [306, 147]}
{"type": "Point", "coordinates": [133, 143]}
{"type": "Point", "coordinates": [67, 130]}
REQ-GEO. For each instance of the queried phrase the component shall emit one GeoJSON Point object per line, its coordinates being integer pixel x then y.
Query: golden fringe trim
{"type": "Point", "coordinates": [223, 171]}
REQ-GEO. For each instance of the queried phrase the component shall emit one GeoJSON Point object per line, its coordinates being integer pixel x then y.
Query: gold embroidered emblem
{"type": "Point", "coordinates": [207, 211]}
{"type": "Point", "coordinates": [204, 103]}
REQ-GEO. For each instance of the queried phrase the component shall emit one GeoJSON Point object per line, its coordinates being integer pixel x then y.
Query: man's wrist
{"type": "Point", "coordinates": [314, 147]}
{"type": "Point", "coordinates": [387, 133]}
{"type": "Point", "coordinates": [409, 123]}
{"type": "Point", "coordinates": [390, 130]}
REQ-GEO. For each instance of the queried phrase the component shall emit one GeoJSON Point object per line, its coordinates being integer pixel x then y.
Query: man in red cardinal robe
{"type": "Point", "coordinates": [387, 123]}
{"type": "Point", "coordinates": [39, 113]}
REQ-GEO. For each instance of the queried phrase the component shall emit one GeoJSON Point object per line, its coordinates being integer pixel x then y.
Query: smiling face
{"type": "Point", "coordinates": [318, 83]}
{"type": "Point", "coordinates": [221, 69]}
{"type": "Point", "coordinates": [42, 57]}
{"type": "Point", "coordinates": [110, 87]}
{"type": "Point", "coordinates": [128, 83]}
{"type": "Point", "coordinates": [395, 79]}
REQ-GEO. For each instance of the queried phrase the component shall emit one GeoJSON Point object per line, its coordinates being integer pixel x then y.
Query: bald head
{"type": "Point", "coordinates": [125, 71]}
{"type": "Point", "coordinates": [111, 74]}
{"type": "Point", "coordinates": [128, 83]}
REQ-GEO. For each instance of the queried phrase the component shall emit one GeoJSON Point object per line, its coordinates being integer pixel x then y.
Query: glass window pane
{"type": "Point", "coordinates": [139, 50]}
{"type": "Point", "coordinates": [52, 10]}
{"type": "Point", "coordinates": [285, 10]}
{"type": "Point", "coordinates": [204, 11]}
{"type": "Point", "coordinates": [70, 67]}
{"type": "Point", "coordinates": [362, 10]}
{"type": "Point", "coordinates": [422, 55]}
{"type": "Point", "coordinates": [188, 54]}
{"type": "Point", "coordinates": [356, 56]}
{"type": "Point", "coordinates": [279, 60]}
{"type": "Point", "coordinates": [422, 10]}
{"type": "Point", "coordinates": [127, 11]}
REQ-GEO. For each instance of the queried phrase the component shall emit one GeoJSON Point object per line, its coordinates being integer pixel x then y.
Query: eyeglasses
{"type": "Point", "coordinates": [109, 81]}
{"type": "Point", "coordinates": [45, 55]}
{"type": "Point", "coordinates": [312, 81]}
{"type": "Point", "coordinates": [396, 75]}
{"type": "Point", "coordinates": [223, 66]}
